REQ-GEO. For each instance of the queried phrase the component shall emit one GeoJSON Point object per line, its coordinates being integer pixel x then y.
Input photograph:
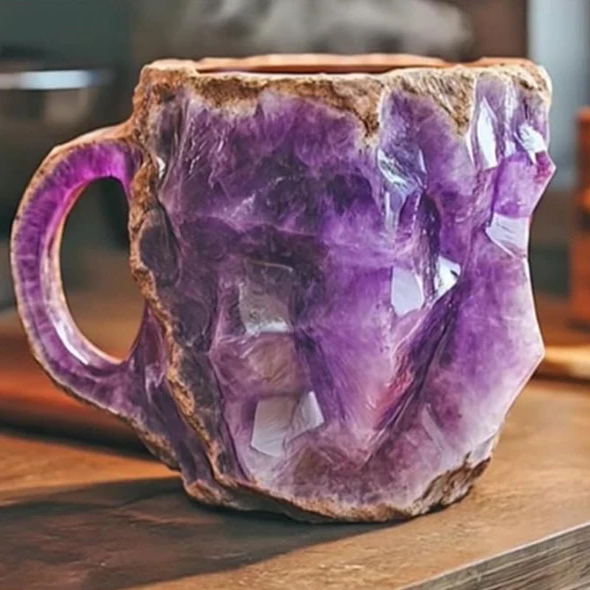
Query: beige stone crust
{"type": "Point", "coordinates": [349, 83]}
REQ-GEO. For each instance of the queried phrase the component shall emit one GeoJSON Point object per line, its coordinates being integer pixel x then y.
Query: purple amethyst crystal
{"type": "Point", "coordinates": [339, 303]}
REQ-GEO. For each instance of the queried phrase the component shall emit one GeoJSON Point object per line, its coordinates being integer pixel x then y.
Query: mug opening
{"type": "Point", "coordinates": [311, 64]}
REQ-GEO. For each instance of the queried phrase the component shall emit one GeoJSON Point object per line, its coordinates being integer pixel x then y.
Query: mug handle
{"type": "Point", "coordinates": [73, 363]}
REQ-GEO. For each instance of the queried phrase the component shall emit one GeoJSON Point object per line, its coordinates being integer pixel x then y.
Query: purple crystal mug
{"type": "Point", "coordinates": [333, 256]}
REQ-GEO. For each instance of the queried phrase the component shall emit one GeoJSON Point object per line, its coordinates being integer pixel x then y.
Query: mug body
{"type": "Point", "coordinates": [339, 309]}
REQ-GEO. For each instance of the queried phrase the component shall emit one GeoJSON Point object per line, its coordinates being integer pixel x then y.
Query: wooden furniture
{"type": "Point", "coordinates": [499, 28]}
{"type": "Point", "coordinates": [579, 240]}
{"type": "Point", "coordinates": [74, 517]}
{"type": "Point", "coordinates": [567, 346]}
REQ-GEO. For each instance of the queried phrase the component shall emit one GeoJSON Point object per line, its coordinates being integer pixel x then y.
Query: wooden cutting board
{"type": "Point", "coordinates": [567, 346]}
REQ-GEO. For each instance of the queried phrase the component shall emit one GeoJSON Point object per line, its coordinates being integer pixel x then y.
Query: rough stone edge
{"type": "Point", "coordinates": [449, 86]}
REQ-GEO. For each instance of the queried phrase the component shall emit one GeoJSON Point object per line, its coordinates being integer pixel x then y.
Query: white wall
{"type": "Point", "coordinates": [559, 39]}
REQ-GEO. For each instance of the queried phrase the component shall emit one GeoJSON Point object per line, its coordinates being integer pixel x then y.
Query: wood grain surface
{"type": "Point", "coordinates": [75, 517]}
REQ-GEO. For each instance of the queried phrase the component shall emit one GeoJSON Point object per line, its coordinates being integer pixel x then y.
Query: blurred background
{"type": "Point", "coordinates": [107, 41]}
{"type": "Point", "coordinates": [68, 66]}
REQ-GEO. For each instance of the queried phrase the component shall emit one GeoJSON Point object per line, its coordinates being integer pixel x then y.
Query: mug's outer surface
{"type": "Point", "coordinates": [339, 310]}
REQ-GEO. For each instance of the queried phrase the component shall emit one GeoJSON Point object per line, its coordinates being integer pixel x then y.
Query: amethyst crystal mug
{"type": "Point", "coordinates": [334, 260]}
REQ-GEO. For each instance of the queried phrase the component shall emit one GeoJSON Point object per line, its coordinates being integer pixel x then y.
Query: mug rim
{"type": "Point", "coordinates": [228, 82]}
{"type": "Point", "coordinates": [329, 63]}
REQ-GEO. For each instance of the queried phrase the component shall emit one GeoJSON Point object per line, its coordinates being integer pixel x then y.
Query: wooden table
{"type": "Point", "coordinates": [75, 517]}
